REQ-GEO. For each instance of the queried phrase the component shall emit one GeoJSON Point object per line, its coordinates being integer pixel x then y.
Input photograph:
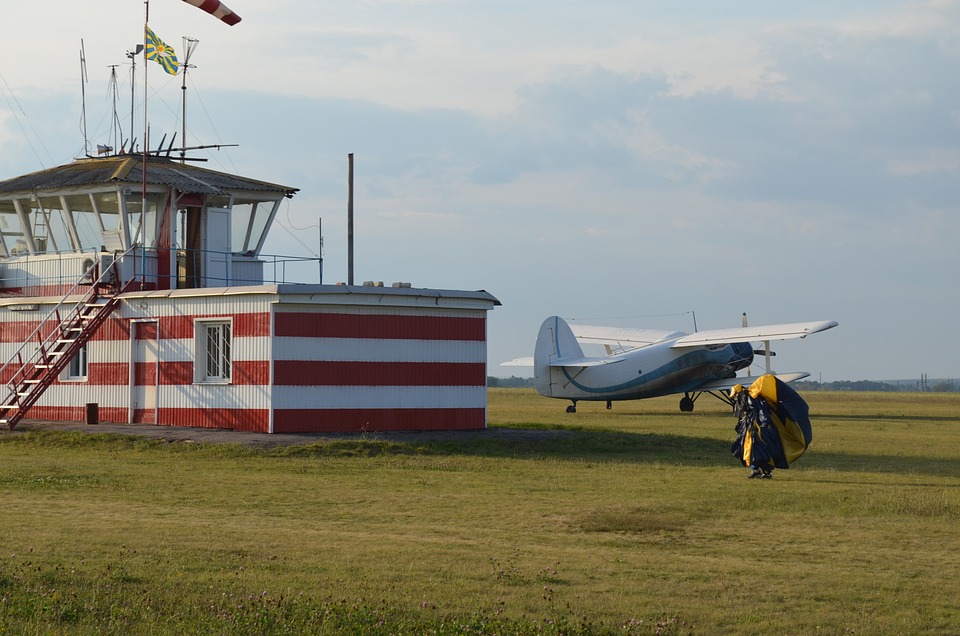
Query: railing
{"type": "Point", "coordinates": [54, 274]}
{"type": "Point", "coordinates": [89, 281]}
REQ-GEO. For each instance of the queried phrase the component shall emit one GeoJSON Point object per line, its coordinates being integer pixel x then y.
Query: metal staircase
{"type": "Point", "coordinates": [55, 341]}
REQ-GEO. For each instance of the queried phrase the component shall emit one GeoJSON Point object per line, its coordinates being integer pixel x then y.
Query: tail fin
{"type": "Point", "coordinates": [555, 342]}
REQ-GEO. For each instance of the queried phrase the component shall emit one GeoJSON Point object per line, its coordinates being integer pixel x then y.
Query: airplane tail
{"type": "Point", "coordinates": [555, 343]}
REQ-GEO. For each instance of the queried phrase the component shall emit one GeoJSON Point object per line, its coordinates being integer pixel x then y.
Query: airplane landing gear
{"type": "Point", "coordinates": [686, 404]}
{"type": "Point", "coordinates": [609, 404]}
{"type": "Point", "coordinates": [572, 408]}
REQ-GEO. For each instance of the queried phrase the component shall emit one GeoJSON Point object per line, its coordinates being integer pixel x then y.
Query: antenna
{"type": "Point", "coordinates": [132, 55]}
{"type": "Point", "coordinates": [189, 45]}
{"type": "Point", "coordinates": [83, 98]}
{"type": "Point", "coordinates": [117, 131]}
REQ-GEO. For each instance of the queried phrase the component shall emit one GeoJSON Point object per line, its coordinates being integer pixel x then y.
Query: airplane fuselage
{"type": "Point", "coordinates": [651, 371]}
{"type": "Point", "coordinates": [645, 363]}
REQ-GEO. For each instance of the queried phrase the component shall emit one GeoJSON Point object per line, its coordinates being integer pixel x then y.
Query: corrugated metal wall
{"type": "Point", "coordinates": [303, 367]}
{"type": "Point", "coordinates": [348, 368]}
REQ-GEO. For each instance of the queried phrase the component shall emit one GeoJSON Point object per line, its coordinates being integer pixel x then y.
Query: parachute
{"type": "Point", "coordinates": [773, 424]}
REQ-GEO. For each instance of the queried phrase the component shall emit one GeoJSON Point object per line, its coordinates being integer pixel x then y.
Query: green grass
{"type": "Point", "coordinates": [635, 520]}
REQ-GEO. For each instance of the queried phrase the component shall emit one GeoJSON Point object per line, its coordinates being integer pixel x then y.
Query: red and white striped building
{"type": "Point", "coordinates": [198, 336]}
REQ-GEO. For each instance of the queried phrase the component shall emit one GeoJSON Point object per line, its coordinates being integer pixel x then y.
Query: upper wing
{"type": "Point", "coordinates": [613, 335]}
{"type": "Point", "coordinates": [562, 362]}
{"type": "Point", "coordinates": [754, 334]}
{"type": "Point", "coordinates": [617, 340]}
{"type": "Point", "coordinates": [584, 362]}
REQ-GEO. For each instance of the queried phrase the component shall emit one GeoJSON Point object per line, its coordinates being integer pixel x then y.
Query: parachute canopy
{"type": "Point", "coordinates": [773, 425]}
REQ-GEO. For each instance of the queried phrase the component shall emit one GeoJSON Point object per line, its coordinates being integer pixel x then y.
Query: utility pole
{"type": "Point", "coordinates": [350, 219]}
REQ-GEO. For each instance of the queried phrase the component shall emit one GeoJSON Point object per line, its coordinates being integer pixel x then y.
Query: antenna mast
{"type": "Point", "coordinates": [189, 45]}
{"type": "Point", "coordinates": [116, 131]}
{"type": "Point", "coordinates": [132, 55]}
{"type": "Point", "coordinates": [83, 98]}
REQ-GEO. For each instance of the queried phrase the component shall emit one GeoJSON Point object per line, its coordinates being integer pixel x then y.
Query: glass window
{"type": "Point", "coordinates": [85, 220]}
{"type": "Point", "coordinates": [143, 227]}
{"type": "Point", "coordinates": [10, 229]}
{"type": "Point", "coordinates": [109, 209]}
{"type": "Point", "coordinates": [213, 351]}
{"type": "Point", "coordinates": [77, 369]}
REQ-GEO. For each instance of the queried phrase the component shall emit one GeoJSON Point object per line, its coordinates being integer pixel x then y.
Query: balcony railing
{"type": "Point", "coordinates": [54, 274]}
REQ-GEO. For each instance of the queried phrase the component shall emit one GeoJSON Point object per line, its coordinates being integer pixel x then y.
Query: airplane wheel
{"type": "Point", "coordinates": [572, 408]}
{"type": "Point", "coordinates": [609, 405]}
{"type": "Point", "coordinates": [686, 404]}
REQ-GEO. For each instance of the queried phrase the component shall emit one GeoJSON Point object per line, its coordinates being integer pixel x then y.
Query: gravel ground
{"type": "Point", "coordinates": [225, 436]}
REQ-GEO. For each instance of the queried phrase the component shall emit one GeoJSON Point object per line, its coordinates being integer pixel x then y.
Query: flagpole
{"type": "Point", "coordinates": [146, 133]}
{"type": "Point", "coordinates": [146, 71]}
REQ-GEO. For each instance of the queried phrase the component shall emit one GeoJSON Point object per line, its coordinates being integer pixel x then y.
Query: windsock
{"type": "Point", "coordinates": [217, 9]}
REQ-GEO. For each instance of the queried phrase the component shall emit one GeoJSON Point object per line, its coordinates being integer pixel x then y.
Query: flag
{"type": "Point", "coordinates": [163, 54]}
{"type": "Point", "coordinates": [217, 9]}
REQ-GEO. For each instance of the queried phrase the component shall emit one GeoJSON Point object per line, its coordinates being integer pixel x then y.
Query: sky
{"type": "Point", "coordinates": [637, 164]}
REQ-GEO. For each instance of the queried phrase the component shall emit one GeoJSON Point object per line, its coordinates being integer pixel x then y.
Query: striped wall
{"type": "Point", "coordinates": [296, 366]}
{"type": "Point", "coordinates": [374, 369]}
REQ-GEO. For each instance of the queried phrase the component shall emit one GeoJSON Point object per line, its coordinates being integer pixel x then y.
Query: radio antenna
{"type": "Point", "coordinates": [132, 55]}
{"type": "Point", "coordinates": [83, 98]}
{"type": "Point", "coordinates": [189, 45]}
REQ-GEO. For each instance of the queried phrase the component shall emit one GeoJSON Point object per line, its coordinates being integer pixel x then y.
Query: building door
{"type": "Point", "coordinates": [189, 259]}
{"type": "Point", "coordinates": [216, 252]}
{"type": "Point", "coordinates": [143, 402]}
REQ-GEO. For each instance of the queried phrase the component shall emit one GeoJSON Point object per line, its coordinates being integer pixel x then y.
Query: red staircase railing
{"type": "Point", "coordinates": [67, 329]}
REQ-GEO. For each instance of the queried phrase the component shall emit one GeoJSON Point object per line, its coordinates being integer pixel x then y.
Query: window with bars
{"type": "Point", "coordinates": [213, 361]}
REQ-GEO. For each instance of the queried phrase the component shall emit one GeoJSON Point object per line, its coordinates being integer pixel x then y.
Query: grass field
{"type": "Point", "coordinates": [635, 520]}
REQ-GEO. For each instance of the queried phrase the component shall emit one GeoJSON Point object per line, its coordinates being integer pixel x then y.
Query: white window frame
{"type": "Point", "coordinates": [79, 372]}
{"type": "Point", "coordinates": [213, 367]}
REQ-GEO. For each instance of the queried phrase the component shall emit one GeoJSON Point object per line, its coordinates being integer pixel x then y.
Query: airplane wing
{"type": "Point", "coordinates": [729, 383]}
{"type": "Point", "coordinates": [754, 334]}
{"type": "Point", "coordinates": [620, 335]}
{"type": "Point", "coordinates": [562, 362]}
{"type": "Point", "coordinates": [584, 362]}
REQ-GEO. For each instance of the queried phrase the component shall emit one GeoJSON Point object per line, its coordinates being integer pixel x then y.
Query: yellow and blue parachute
{"type": "Point", "coordinates": [773, 424]}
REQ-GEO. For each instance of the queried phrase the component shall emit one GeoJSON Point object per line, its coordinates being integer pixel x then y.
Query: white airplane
{"type": "Point", "coordinates": [645, 363]}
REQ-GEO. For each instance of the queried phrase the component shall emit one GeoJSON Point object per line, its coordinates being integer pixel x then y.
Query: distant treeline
{"type": "Point", "coordinates": [925, 386]}
{"type": "Point", "coordinates": [931, 386]}
{"type": "Point", "coordinates": [513, 382]}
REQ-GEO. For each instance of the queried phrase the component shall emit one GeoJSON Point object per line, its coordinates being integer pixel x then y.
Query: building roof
{"type": "Point", "coordinates": [128, 170]}
{"type": "Point", "coordinates": [341, 295]}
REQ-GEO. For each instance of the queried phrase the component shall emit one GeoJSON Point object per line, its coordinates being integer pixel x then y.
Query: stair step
{"type": "Point", "coordinates": [70, 331]}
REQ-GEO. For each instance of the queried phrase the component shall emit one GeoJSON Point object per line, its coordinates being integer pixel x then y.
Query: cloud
{"type": "Point", "coordinates": [935, 162]}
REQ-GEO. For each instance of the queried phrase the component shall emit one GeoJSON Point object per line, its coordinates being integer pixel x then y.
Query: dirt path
{"type": "Point", "coordinates": [264, 440]}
